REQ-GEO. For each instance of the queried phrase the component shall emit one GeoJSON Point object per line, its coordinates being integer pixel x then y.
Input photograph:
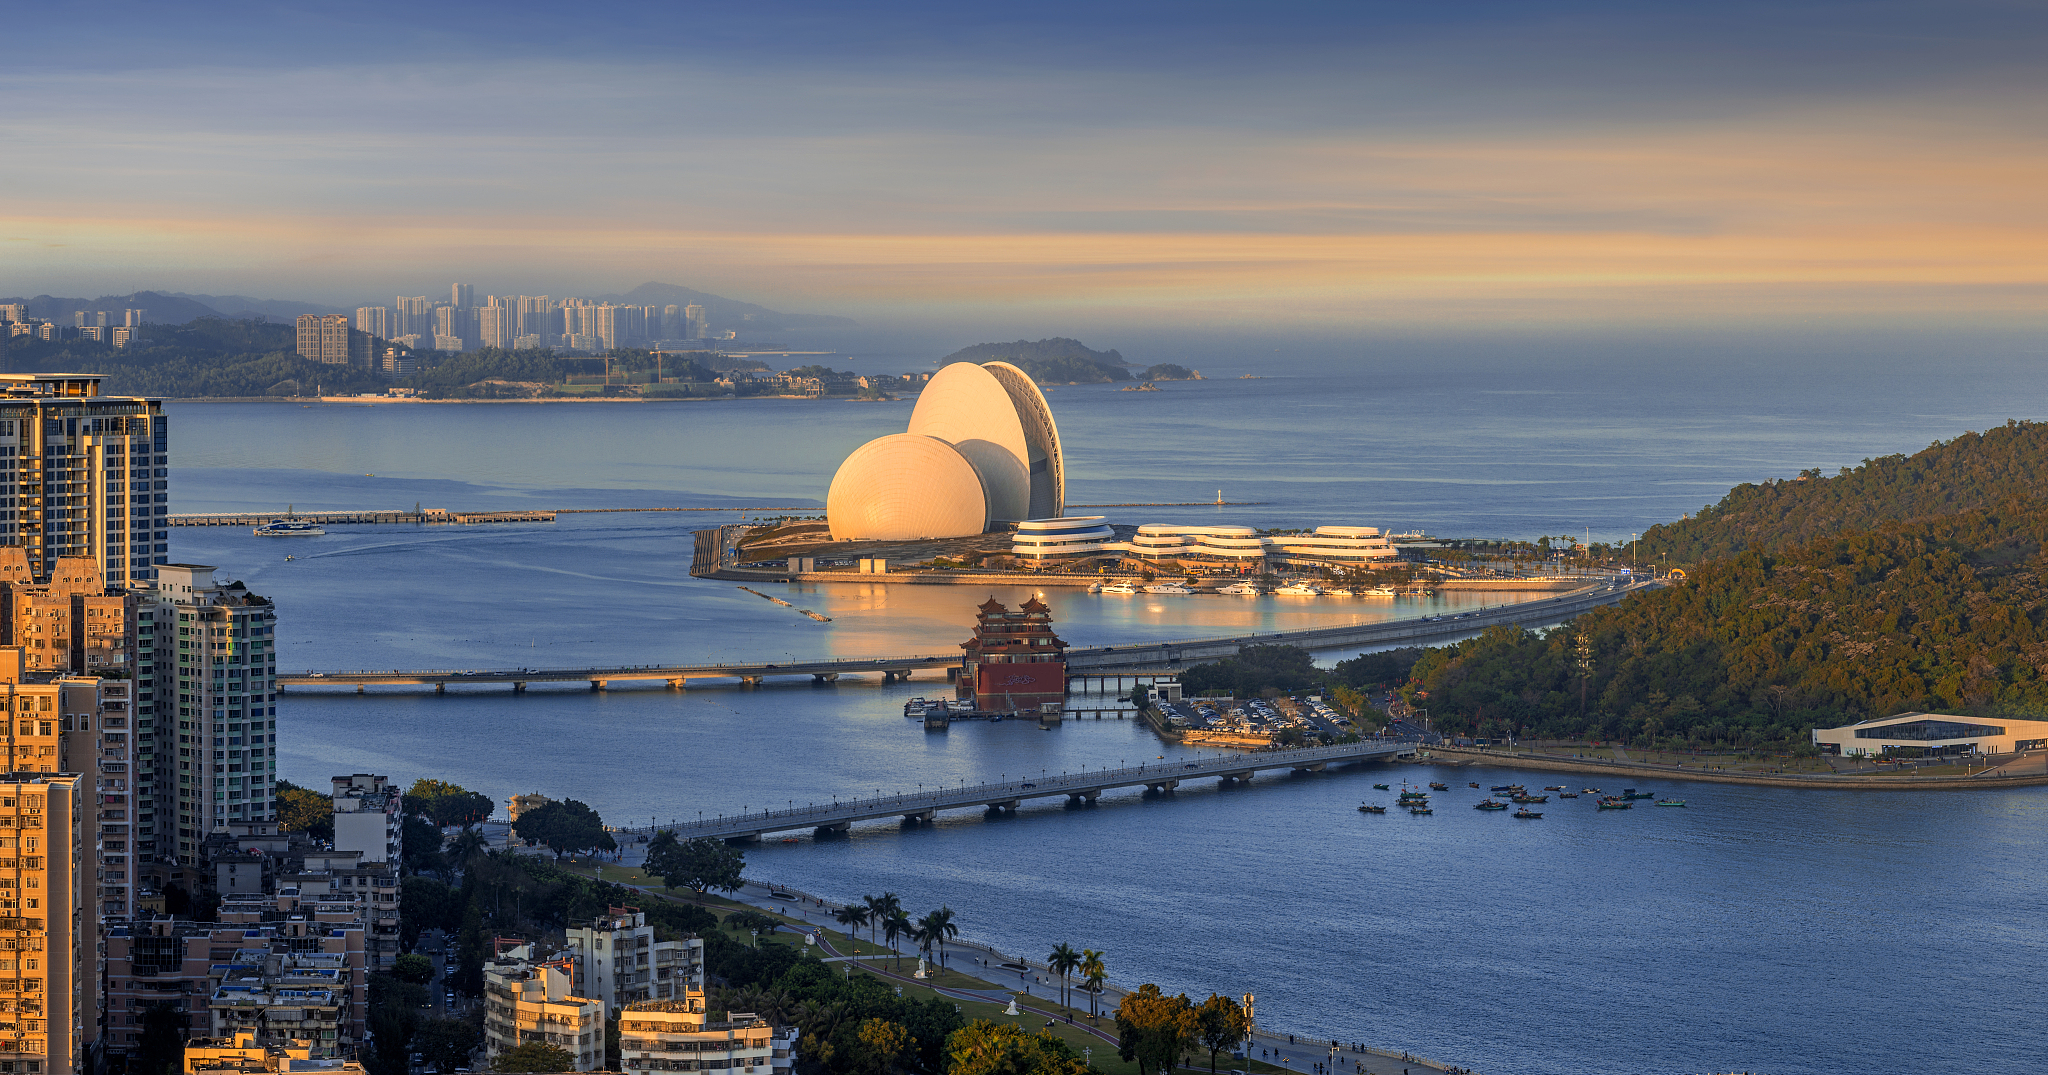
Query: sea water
{"type": "Point", "coordinates": [1756, 929]}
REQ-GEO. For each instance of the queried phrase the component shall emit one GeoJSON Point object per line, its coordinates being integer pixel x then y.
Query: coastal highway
{"type": "Point", "coordinates": [1083, 663]}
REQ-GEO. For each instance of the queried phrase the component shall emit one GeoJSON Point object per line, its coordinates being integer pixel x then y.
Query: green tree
{"type": "Point", "coordinates": [567, 827]}
{"type": "Point", "coordinates": [1154, 1030]}
{"type": "Point", "coordinates": [534, 1056]}
{"type": "Point", "coordinates": [853, 916]}
{"type": "Point", "coordinates": [448, 1043]}
{"type": "Point", "coordinates": [1063, 961]}
{"type": "Point", "coordinates": [1220, 1024]}
{"type": "Point", "coordinates": [984, 1047]}
{"type": "Point", "coordinates": [413, 967]}
{"type": "Point", "coordinates": [422, 843]}
{"type": "Point", "coordinates": [895, 926]}
{"type": "Point", "coordinates": [304, 810]}
{"type": "Point", "coordinates": [880, 1046]}
{"type": "Point", "coordinates": [425, 903]}
{"type": "Point", "coordinates": [701, 864]}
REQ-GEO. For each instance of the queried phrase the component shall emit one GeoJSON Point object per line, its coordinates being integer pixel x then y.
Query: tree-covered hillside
{"type": "Point", "coordinates": [1939, 614]}
{"type": "Point", "coordinates": [207, 357]}
{"type": "Point", "coordinates": [1975, 470]}
{"type": "Point", "coordinates": [1052, 361]}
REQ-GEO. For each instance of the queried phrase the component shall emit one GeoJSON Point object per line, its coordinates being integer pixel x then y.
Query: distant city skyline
{"type": "Point", "coordinates": [1320, 168]}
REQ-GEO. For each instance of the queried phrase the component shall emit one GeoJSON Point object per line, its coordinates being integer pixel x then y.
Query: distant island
{"type": "Point", "coordinates": [1060, 360]}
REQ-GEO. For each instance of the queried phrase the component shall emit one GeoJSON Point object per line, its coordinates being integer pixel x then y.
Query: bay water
{"type": "Point", "coordinates": [1755, 929]}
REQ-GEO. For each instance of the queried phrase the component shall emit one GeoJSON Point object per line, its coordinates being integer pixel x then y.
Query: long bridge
{"type": "Point", "coordinates": [1102, 663]}
{"type": "Point", "coordinates": [922, 806]}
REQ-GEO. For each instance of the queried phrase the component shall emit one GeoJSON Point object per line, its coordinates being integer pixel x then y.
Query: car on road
{"type": "Point", "coordinates": [1028, 785]}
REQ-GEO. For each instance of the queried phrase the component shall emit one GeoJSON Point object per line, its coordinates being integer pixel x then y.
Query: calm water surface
{"type": "Point", "coordinates": [1755, 929]}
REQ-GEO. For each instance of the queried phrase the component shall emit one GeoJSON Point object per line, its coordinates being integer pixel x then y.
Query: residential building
{"type": "Point", "coordinates": [526, 343]}
{"type": "Point", "coordinates": [497, 326]}
{"type": "Point", "coordinates": [618, 961]}
{"type": "Point", "coordinates": [242, 1055]}
{"type": "Point", "coordinates": [457, 323]}
{"type": "Point", "coordinates": [517, 805]}
{"type": "Point", "coordinates": [462, 295]}
{"type": "Point", "coordinates": [698, 327]}
{"type": "Point", "coordinates": [324, 338]}
{"type": "Point", "coordinates": [369, 823]}
{"type": "Point", "coordinates": [411, 316]}
{"type": "Point", "coordinates": [83, 474]}
{"type": "Point", "coordinates": [95, 318]}
{"type": "Point", "coordinates": [133, 318]}
{"type": "Point", "coordinates": [14, 311]}
{"type": "Point", "coordinates": [397, 365]}
{"type": "Point", "coordinates": [125, 335]}
{"type": "Point", "coordinates": [49, 957]}
{"type": "Point", "coordinates": [241, 973]}
{"type": "Point", "coordinates": [538, 316]}
{"type": "Point", "coordinates": [375, 320]}
{"type": "Point", "coordinates": [678, 1035]}
{"type": "Point", "coordinates": [528, 998]}
{"type": "Point", "coordinates": [208, 646]}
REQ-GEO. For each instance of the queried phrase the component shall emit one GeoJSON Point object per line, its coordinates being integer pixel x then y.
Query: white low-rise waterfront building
{"type": "Point", "coordinates": [1934, 733]}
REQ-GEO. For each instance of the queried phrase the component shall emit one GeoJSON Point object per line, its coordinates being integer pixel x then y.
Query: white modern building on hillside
{"type": "Point", "coordinates": [1936, 733]}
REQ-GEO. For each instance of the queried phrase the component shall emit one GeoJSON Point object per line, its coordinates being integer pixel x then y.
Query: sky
{"type": "Point", "coordinates": [1320, 168]}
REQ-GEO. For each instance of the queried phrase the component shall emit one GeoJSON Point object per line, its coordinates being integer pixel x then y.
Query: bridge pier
{"type": "Point", "coordinates": [359, 688]}
{"type": "Point", "coordinates": [1076, 798]}
{"type": "Point", "coordinates": [1243, 776]}
{"type": "Point", "coordinates": [835, 828]}
{"type": "Point", "coordinates": [827, 677]}
{"type": "Point", "coordinates": [953, 674]}
{"type": "Point", "coordinates": [518, 688]}
{"type": "Point", "coordinates": [440, 688]}
{"type": "Point", "coordinates": [1162, 786]}
{"type": "Point", "coordinates": [920, 817]}
{"type": "Point", "coordinates": [1006, 806]}
{"type": "Point", "coordinates": [676, 684]}
{"type": "Point", "coordinates": [599, 685]}
{"type": "Point", "coordinates": [1316, 768]}
{"type": "Point", "coordinates": [750, 681]}
{"type": "Point", "coordinates": [744, 838]}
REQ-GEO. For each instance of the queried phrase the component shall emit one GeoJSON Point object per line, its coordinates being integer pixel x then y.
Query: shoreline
{"type": "Point", "coordinates": [1558, 764]}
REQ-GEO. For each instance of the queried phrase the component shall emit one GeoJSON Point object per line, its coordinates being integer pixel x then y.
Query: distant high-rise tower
{"type": "Point", "coordinates": [79, 461]}
{"type": "Point", "coordinates": [413, 316]}
{"type": "Point", "coordinates": [375, 320]}
{"type": "Point", "coordinates": [496, 326]}
{"type": "Point", "coordinates": [671, 323]}
{"type": "Point", "coordinates": [133, 318]}
{"type": "Point", "coordinates": [698, 328]}
{"type": "Point", "coordinates": [463, 295]}
{"type": "Point", "coordinates": [324, 338]}
{"type": "Point", "coordinates": [536, 315]}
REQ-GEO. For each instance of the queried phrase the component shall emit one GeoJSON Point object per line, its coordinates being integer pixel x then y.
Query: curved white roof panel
{"type": "Point", "coordinates": [1042, 438]}
{"type": "Point", "coordinates": [968, 408]}
{"type": "Point", "coordinates": [904, 487]}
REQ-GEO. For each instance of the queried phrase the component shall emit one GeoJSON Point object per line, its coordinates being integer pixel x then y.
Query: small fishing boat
{"type": "Point", "coordinates": [1421, 809]}
{"type": "Point", "coordinates": [1506, 787]}
{"type": "Point", "coordinates": [289, 559]}
{"type": "Point", "coordinates": [1525, 812]}
{"type": "Point", "coordinates": [1473, 784]}
{"type": "Point", "coordinates": [1413, 797]}
{"type": "Point", "coordinates": [1371, 808]}
{"type": "Point", "coordinates": [1439, 786]}
{"type": "Point", "coordinates": [1489, 804]}
{"type": "Point", "coordinates": [1670, 802]}
{"type": "Point", "coordinates": [1590, 791]}
{"type": "Point", "coordinates": [1613, 804]}
{"type": "Point", "coordinates": [1531, 798]}
{"type": "Point", "coordinates": [1553, 787]}
{"type": "Point", "coordinates": [1631, 793]}
{"type": "Point", "coordinates": [1381, 787]}
{"type": "Point", "coordinates": [1567, 794]}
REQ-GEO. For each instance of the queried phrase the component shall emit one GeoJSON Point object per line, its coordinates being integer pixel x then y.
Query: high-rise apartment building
{"type": "Point", "coordinates": [537, 316]}
{"type": "Point", "coordinates": [49, 955]}
{"type": "Point", "coordinates": [618, 961]}
{"type": "Point", "coordinates": [375, 320]}
{"type": "Point", "coordinates": [205, 653]}
{"type": "Point", "coordinates": [699, 329]}
{"type": "Point", "coordinates": [14, 311]}
{"type": "Point", "coordinates": [368, 824]}
{"type": "Point", "coordinates": [496, 326]}
{"type": "Point", "coordinates": [133, 318]}
{"type": "Point", "coordinates": [91, 719]}
{"type": "Point", "coordinates": [328, 338]}
{"type": "Point", "coordinates": [462, 295]}
{"type": "Point", "coordinates": [411, 316]}
{"type": "Point", "coordinates": [95, 318]}
{"type": "Point", "coordinates": [82, 474]}
{"type": "Point", "coordinates": [456, 323]}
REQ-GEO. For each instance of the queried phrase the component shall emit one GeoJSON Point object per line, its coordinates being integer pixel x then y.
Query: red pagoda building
{"type": "Point", "coordinates": [1014, 662]}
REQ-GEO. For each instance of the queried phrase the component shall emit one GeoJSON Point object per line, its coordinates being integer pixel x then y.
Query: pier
{"type": "Point", "coordinates": [1100, 666]}
{"type": "Point", "coordinates": [1079, 789]}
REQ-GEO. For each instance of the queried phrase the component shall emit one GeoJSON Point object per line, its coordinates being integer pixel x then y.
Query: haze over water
{"type": "Point", "coordinates": [1756, 929]}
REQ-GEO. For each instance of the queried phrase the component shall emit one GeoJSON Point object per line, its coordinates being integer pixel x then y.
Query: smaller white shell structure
{"type": "Point", "coordinates": [905, 487]}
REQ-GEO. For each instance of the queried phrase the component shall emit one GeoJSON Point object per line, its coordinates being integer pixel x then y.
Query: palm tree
{"type": "Point", "coordinates": [894, 926]}
{"type": "Point", "coordinates": [880, 908]}
{"type": "Point", "coordinates": [852, 916]}
{"type": "Point", "coordinates": [1094, 977]}
{"type": "Point", "coordinates": [940, 925]}
{"type": "Point", "coordinates": [1063, 961]}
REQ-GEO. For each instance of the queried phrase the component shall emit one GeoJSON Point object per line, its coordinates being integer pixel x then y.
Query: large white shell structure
{"type": "Point", "coordinates": [968, 408]}
{"type": "Point", "coordinates": [905, 487]}
{"type": "Point", "coordinates": [1041, 439]}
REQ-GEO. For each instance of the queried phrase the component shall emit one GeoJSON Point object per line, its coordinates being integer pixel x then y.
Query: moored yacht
{"type": "Point", "coordinates": [287, 528]}
{"type": "Point", "coordinates": [1298, 589]}
{"type": "Point", "coordinates": [1119, 587]}
{"type": "Point", "coordinates": [1167, 587]}
{"type": "Point", "coordinates": [1242, 589]}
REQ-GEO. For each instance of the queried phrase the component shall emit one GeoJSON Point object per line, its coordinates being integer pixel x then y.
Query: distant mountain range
{"type": "Point", "coordinates": [178, 308]}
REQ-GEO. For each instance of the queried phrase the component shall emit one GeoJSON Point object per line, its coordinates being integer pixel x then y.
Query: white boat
{"type": "Point", "coordinates": [1379, 591]}
{"type": "Point", "coordinates": [1336, 592]}
{"type": "Point", "coordinates": [1244, 589]}
{"type": "Point", "coordinates": [287, 528]}
{"type": "Point", "coordinates": [1298, 589]}
{"type": "Point", "coordinates": [1094, 587]}
{"type": "Point", "coordinates": [1167, 587]}
{"type": "Point", "coordinates": [1119, 587]}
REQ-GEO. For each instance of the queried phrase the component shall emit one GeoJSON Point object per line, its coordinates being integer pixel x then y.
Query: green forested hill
{"type": "Point", "coordinates": [1057, 360]}
{"type": "Point", "coordinates": [1941, 614]}
{"type": "Point", "coordinates": [1975, 470]}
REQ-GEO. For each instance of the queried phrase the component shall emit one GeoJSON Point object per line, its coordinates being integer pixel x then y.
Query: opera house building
{"type": "Point", "coordinates": [981, 450]}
